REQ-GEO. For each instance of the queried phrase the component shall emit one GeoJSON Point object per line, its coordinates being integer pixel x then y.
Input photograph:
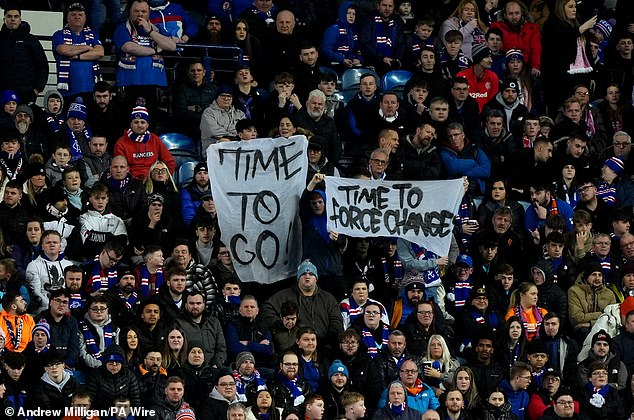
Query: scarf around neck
{"type": "Point", "coordinates": [63, 67]}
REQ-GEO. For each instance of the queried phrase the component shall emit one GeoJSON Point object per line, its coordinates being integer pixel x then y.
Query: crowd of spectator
{"type": "Point", "coordinates": [117, 292]}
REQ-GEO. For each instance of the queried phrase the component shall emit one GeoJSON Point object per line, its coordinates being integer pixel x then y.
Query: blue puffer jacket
{"type": "Point", "coordinates": [423, 401]}
{"type": "Point", "coordinates": [340, 40]}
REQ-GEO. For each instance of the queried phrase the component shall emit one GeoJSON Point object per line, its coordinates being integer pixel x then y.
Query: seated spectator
{"type": "Point", "coordinates": [248, 328]}
{"type": "Point", "coordinates": [603, 350]}
{"type": "Point", "coordinates": [97, 332]}
{"type": "Point", "coordinates": [197, 373]}
{"type": "Point", "coordinates": [112, 378]}
{"type": "Point", "coordinates": [153, 226]}
{"type": "Point", "coordinates": [336, 385]}
{"type": "Point", "coordinates": [191, 97]}
{"type": "Point", "coordinates": [202, 326]}
{"type": "Point", "coordinates": [397, 401]}
{"type": "Point", "coordinates": [312, 363]}
{"type": "Point", "coordinates": [126, 193]}
{"type": "Point", "coordinates": [316, 307]}
{"type": "Point", "coordinates": [140, 147]}
{"type": "Point", "coordinates": [263, 405]}
{"type": "Point", "coordinates": [420, 396]}
{"type": "Point", "coordinates": [313, 117]}
{"type": "Point", "coordinates": [610, 404]}
{"type": "Point", "coordinates": [63, 326]}
{"type": "Point", "coordinates": [222, 395]}
{"type": "Point", "coordinates": [199, 277]}
{"type": "Point", "coordinates": [496, 405]}
{"type": "Point", "coordinates": [354, 405]}
{"type": "Point", "coordinates": [55, 388]}
{"type": "Point", "coordinates": [248, 379]}
{"type": "Point", "coordinates": [171, 403]}
{"type": "Point", "coordinates": [287, 388]}
{"type": "Point", "coordinates": [616, 190]}
{"type": "Point", "coordinates": [218, 121]}
{"type": "Point", "coordinates": [46, 272]}
{"type": "Point", "coordinates": [101, 273]}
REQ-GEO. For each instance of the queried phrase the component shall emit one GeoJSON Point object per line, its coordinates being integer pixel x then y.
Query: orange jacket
{"type": "Point", "coordinates": [27, 324]}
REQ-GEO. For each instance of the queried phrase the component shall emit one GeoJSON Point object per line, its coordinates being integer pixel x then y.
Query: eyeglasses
{"type": "Point", "coordinates": [60, 301]}
{"type": "Point", "coordinates": [600, 373]}
{"type": "Point", "coordinates": [289, 364]}
{"type": "Point", "coordinates": [113, 259]}
{"type": "Point", "coordinates": [565, 402]}
{"type": "Point", "coordinates": [584, 188]}
{"type": "Point", "coordinates": [227, 384]}
{"type": "Point", "coordinates": [425, 313]}
{"type": "Point", "coordinates": [372, 313]}
{"type": "Point", "coordinates": [621, 143]}
{"type": "Point", "coordinates": [99, 309]}
{"type": "Point", "coordinates": [582, 93]}
{"type": "Point", "coordinates": [350, 343]}
{"type": "Point", "coordinates": [552, 379]}
{"type": "Point", "coordinates": [159, 171]}
{"type": "Point", "coordinates": [379, 161]}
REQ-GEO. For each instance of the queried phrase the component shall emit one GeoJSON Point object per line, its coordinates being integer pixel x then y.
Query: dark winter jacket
{"type": "Point", "coordinates": [25, 65]}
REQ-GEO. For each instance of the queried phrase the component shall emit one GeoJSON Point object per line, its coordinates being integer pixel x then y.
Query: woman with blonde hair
{"type": "Point", "coordinates": [160, 180]}
{"type": "Point", "coordinates": [466, 19]}
{"type": "Point", "coordinates": [439, 367]}
{"type": "Point", "coordinates": [523, 305]}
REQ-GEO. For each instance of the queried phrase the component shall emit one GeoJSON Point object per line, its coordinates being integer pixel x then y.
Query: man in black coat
{"type": "Point", "coordinates": [24, 67]}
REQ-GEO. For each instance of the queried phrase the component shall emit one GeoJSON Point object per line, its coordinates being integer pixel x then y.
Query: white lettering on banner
{"type": "Point", "coordinates": [419, 211]}
{"type": "Point", "coordinates": [256, 186]}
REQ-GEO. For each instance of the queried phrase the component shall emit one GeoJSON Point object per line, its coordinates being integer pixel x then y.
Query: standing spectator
{"type": "Point", "coordinates": [139, 44]}
{"type": "Point", "coordinates": [77, 50]}
{"type": "Point", "coordinates": [564, 60]}
{"type": "Point", "coordinates": [24, 68]}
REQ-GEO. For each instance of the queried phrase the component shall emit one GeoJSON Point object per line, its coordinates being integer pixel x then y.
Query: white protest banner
{"type": "Point", "coordinates": [419, 211]}
{"type": "Point", "coordinates": [256, 186]}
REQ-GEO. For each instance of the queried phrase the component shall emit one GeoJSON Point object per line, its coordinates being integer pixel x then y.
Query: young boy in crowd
{"type": "Point", "coordinates": [328, 85]}
{"type": "Point", "coordinates": [452, 59]}
{"type": "Point", "coordinates": [53, 107]}
{"type": "Point", "coordinates": [354, 405]}
{"type": "Point", "coordinates": [58, 163]}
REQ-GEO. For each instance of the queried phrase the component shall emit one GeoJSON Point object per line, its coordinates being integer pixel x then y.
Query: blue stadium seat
{"type": "Point", "coordinates": [185, 173]}
{"type": "Point", "coordinates": [395, 81]}
{"type": "Point", "coordinates": [177, 141]}
{"type": "Point", "coordinates": [350, 82]}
